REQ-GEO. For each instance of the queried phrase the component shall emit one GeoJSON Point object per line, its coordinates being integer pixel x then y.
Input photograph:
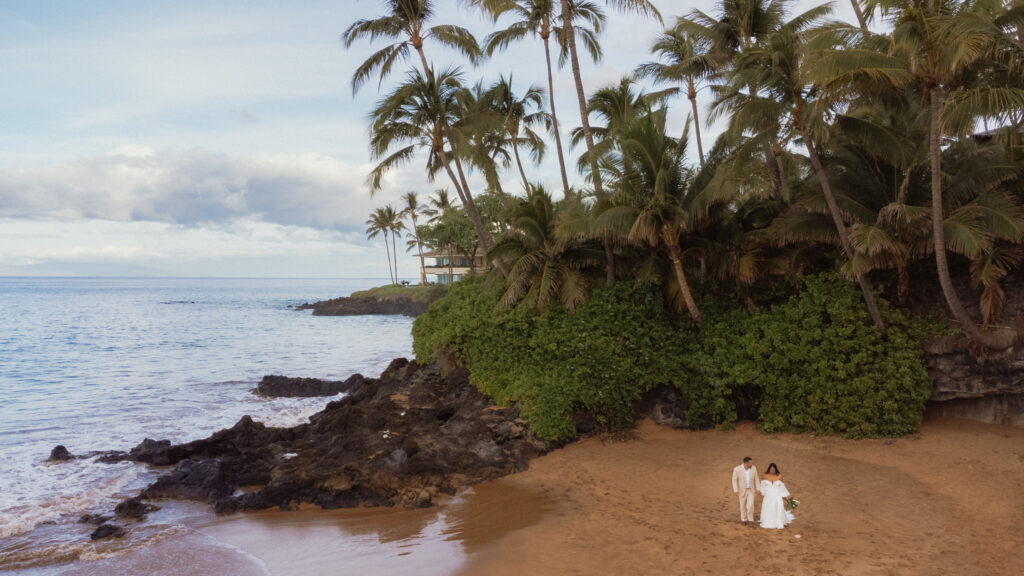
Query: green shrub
{"type": "Point", "coordinates": [814, 363]}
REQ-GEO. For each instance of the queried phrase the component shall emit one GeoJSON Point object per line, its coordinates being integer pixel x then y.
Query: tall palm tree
{"type": "Point", "coordinates": [519, 121]}
{"type": "Point", "coordinates": [412, 208]}
{"type": "Point", "coordinates": [737, 24]}
{"type": "Point", "coordinates": [406, 24]}
{"type": "Point", "coordinates": [418, 115]}
{"type": "Point", "coordinates": [376, 225]}
{"type": "Point", "coordinates": [776, 70]}
{"type": "Point", "coordinates": [569, 8]}
{"type": "Point", "coordinates": [545, 267]}
{"type": "Point", "coordinates": [685, 58]}
{"type": "Point", "coordinates": [535, 18]}
{"type": "Point", "coordinates": [393, 223]}
{"type": "Point", "coordinates": [943, 47]}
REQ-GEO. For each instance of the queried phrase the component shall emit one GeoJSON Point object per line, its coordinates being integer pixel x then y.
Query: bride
{"type": "Point", "coordinates": [773, 504]}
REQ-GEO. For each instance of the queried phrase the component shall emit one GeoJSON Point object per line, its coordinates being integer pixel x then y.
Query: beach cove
{"type": "Point", "coordinates": [658, 501]}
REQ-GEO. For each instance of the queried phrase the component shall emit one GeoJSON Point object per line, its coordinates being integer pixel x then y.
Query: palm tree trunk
{"type": "Point", "coordinates": [844, 236]}
{"type": "Point", "coordinates": [860, 15]}
{"type": "Point", "coordinates": [684, 286]}
{"type": "Point", "coordinates": [395, 250]}
{"type": "Point", "coordinates": [554, 120]}
{"type": "Point", "coordinates": [451, 264]}
{"type": "Point", "coordinates": [519, 163]}
{"type": "Point", "coordinates": [773, 175]}
{"type": "Point", "coordinates": [389, 256]}
{"type": "Point", "coordinates": [570, 38]}
{"type": "Point", "coordinates": [939, 234]}
{"type": "Point", "coordinates": [691, 93]}
{"type": "Point", "coordinates": [470, 205]}
{"type": "Point", "coordinates": [902, 283]}
{"type": "Point", "coordinates": [419, 247]}
{"type": "Point", "coordinates": [609, 262]}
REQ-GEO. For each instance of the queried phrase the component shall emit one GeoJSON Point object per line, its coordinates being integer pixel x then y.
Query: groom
{"type": "Point", "coordinates": [744, 484]}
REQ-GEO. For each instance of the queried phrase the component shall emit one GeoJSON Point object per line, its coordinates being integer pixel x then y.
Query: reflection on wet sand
{"type": "Point", "coordinates": [186, 539]}
{"type": "Point", "coordinates": [380, 541]}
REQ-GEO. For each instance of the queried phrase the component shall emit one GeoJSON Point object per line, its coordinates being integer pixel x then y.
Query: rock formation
{"type": "Point", "coordinates": [403, 438]}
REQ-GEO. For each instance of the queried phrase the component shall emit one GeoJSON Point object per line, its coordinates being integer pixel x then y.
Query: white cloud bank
{"type": "Point", "coordinates": [192, 187]}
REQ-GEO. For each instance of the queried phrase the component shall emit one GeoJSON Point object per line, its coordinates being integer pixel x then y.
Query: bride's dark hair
{"type": "Point", "coordinates": [771, 467]}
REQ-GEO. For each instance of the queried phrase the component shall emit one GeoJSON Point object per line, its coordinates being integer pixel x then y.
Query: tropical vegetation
{"type": "Point", "coordinates": [850, 158]}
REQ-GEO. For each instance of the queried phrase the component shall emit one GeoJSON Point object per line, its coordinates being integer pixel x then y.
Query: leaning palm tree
{"type": "Point", "coordinates": [406, 24]}
{"type": "Point", "coordinates": [685, 58]}
{"type": "Point", "coordinates": [659, 202]}
{"type": "Point", "coordinates": [569, 8]}
{"type": "Point", "coordinates": [944, 47]}
{"type": "Point", "coordinates": [545, 267]}
{"type": "Point", "coordinates": [412, 208]}
{"type": "Point", "coordinates": [376, 225]}
{"type": "Point", "coordinates": [536, 18]}
{"type": "Point", "coordinates": [418, 116]}
{"type": "Point", "coordinates": [775, 73]}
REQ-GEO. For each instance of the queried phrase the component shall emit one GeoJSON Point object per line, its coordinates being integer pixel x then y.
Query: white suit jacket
{"type": "Point", "coordinates": [739, 478]}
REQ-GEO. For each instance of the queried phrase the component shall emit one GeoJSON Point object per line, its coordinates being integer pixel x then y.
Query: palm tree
{"type": "Point", "coordinates": [569, 9]}
{"type": "Point", "coordinates": [412, 209]}
{"type": "Point", "coordinates": [393, 223]}
{"type": "Point", "coordinates": [618, 106]}
{"type": "Point", "coordinates": [518, 123]}
{"type": "Point", "coordinates": [737, 24]}
{"type": "Point", "coordinates": [659, 201]}
{"type": "Point", "coordinates": [376, 225]}
{"type": "Point", "coordinates": [775, 70]}
{"type": "Point", "coordinates": [944, 47]}
{"type": "Point", "coordinates": [418, 115]}
{"type": "Point", "coordinates": [685, 59]}
{"type": "Point", "coordinates": [406, 24]}
{"type": "Point", "coordinates": [534, 18]}
{"type": "Point", "coordinates": [545, 267]}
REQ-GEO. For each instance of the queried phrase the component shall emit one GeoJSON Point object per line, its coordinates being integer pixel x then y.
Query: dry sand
{"type": "Point", "coordinates": [949, 500]}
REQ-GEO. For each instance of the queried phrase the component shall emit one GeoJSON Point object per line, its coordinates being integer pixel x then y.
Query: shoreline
{"type": "Point", "coordinates": [658, 501]}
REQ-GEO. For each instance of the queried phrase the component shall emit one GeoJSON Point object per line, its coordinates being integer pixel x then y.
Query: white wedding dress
{"type": "Point", "coordinates": [773, 505]}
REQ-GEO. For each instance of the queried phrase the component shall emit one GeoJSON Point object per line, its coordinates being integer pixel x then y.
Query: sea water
{"type": "Point", "coordinates": [101, 363]}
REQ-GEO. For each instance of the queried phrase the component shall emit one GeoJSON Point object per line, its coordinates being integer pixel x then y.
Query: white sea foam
{"type": "Point", "coordinates": [48, 492]}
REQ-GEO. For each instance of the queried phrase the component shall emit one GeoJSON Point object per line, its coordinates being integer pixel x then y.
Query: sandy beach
{"type": "Point", "coordinates": [949, 500]}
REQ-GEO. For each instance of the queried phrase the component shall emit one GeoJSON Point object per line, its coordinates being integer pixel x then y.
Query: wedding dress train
{"type": "Point", "coordinates": [773, 505]}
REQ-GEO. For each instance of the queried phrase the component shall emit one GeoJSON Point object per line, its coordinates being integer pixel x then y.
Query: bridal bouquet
{"type": "Point", "coordinates": [792, 503]}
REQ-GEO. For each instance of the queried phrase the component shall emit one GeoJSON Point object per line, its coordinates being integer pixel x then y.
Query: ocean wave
{"type": "Point", "coordinates": [81, 486]}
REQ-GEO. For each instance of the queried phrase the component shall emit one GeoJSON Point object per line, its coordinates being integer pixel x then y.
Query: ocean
{"type": "Point", "coordinates": [101, 363]}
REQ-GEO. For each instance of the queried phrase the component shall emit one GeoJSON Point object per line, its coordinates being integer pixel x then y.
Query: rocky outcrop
{"type": "Point", "coordinates": [359, 306]}
{"type": "Point", "coordinates": [989, 390]}
{"type": "Point", "coordinates": [403, 438]}
{"type": "Point", "coordinates": [274, 386]}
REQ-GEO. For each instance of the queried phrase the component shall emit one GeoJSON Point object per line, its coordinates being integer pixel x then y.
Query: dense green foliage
{"type": "Point", "coordinates": [812, 363]}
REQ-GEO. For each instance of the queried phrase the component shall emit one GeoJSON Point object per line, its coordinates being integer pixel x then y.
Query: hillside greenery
{"type": "Point", "coordinates": [812, 362]}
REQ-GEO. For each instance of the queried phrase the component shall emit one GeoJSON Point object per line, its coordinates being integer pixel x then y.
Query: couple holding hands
{"type": "Point", "coordinates": [775, 498]}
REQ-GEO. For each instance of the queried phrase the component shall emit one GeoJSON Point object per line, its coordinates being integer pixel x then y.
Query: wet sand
{"type": "Point", "coordinates": [949, 500]}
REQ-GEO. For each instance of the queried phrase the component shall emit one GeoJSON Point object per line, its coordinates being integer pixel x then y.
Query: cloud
{"type": "Point", "coordinates": [135, 183]}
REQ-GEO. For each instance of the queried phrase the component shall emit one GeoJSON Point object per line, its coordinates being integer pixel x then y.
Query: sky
{"type": "Point", "coordinates": [222, 138]}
